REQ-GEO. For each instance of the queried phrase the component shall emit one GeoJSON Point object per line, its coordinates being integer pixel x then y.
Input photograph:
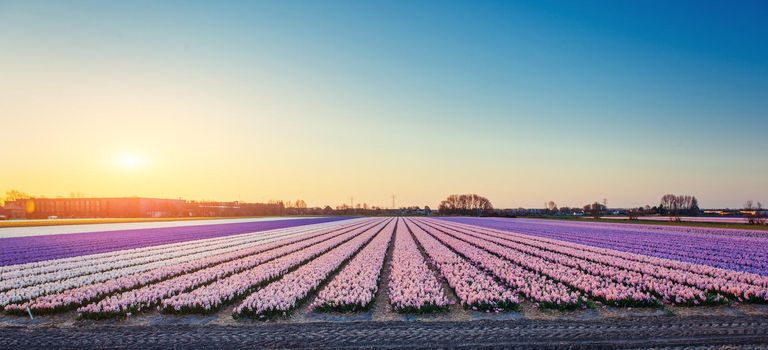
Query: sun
{"type": "Point", "coordinates": [130, 161]}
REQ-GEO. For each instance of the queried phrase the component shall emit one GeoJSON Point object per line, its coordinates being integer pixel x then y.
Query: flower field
{"type": "Point", "coordinates": [21, 250]}
{"type": "Point", "coordinates": [739, 250]}
{"type": "Point", "coordinates": [424, 265]}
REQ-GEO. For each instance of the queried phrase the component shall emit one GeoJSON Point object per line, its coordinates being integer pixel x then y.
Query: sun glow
{"type": "Point", "coordinates": [129, 161]}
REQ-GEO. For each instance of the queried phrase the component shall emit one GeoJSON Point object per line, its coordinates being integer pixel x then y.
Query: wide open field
{"type": "Point", "coordinates": [391, 281]}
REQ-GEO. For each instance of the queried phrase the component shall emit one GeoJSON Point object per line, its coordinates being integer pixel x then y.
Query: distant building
{"type": "Point", "coordinates": [43, 208]}
{"type": "Point", "coordinates": [206, 208]}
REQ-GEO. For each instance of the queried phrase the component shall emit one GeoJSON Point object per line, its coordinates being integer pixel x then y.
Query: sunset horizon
{"type": "Point", "coordinates": [521, 102]}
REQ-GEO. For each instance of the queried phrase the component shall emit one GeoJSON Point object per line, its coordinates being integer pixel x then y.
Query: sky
{"type": "Point", "coordinates": [520, 101]}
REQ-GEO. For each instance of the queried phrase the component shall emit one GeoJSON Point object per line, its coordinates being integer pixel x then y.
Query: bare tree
{"type": "Point", "coordinates": [748, 207]}
{"type": "Point", "coordinates": [754, 213]}
{"type": "Point", "coordinates": [465, 204]}
{"type": "Point", "coordinates": [677, 205]}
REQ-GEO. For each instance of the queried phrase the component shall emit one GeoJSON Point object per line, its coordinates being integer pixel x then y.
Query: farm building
{"type": "Point", "coordinates": [42, 208]}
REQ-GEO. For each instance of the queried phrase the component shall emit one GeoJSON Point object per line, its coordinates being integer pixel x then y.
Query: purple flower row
{"type": "Point", "coordinates": [20, 250]}
{"type": "Point", "coordinates": [57, 270]}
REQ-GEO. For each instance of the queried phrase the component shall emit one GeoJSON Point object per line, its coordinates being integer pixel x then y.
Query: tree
{"type": "Point", "coordinates": [13, 195]}
{"type": "Point", "coordinates": [676, 205]}
{"type": "Point", "coordinates": [465, 204]}
{"type": "Point", "coordinates": [552, 206]}
{"type": "Point", "coordinates": [694, 209]}
{"type": "Point", "coordinates": [300, 206]}
{"type": "Point", "coordinates": [595, 209]}
{"type": "Point", "coordinates": [754, 213]}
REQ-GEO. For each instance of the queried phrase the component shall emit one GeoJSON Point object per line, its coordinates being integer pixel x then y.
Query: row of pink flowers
{"type": "Point", "coordinates": [475, 288]}
{"type": "Point", "coordinates": [226, 290]}
{"type": "Point", "coordinates": [78, 296]}
{"type": "Point", "coordinates": [594, 286]}
{"type": "Point", "coordinates": [740, 285]}
{"type": "Point", "coordinates": [354, 288]}
{"type": "Point", "coordinates": [412, 285]}
{"type": "Point", "coordinates": [131, 259]}
{"type": "Point", "coordinates": [624, 286]}
{"type": "Point", "coordinates": [284, 295]}
{"type": "Point", "coordinates": [544, 291]}
{"type": "Point", "coordinates": [145, 297]}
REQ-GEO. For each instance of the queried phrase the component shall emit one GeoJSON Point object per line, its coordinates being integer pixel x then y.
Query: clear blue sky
{"type": "Point", "coordinates": [521, 101]}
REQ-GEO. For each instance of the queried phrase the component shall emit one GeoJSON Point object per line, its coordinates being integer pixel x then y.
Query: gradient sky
{"type": "Point", "coordinates": [520, 101]}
